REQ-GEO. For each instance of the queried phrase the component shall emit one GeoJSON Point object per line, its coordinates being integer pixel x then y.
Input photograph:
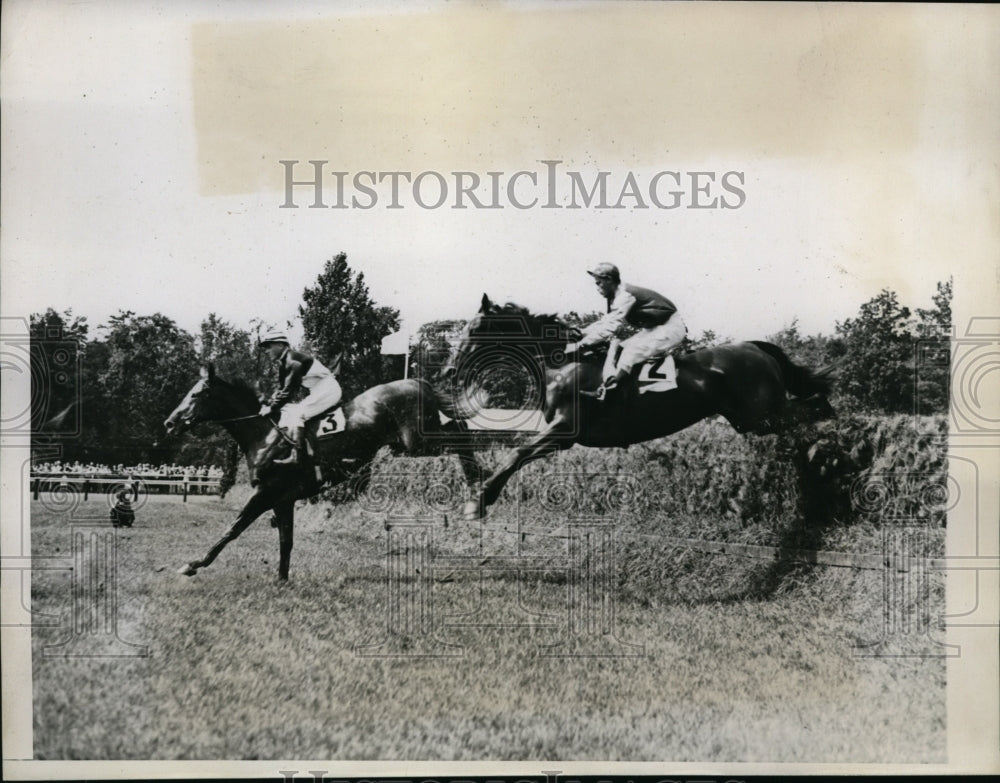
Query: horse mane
{"type": "Point", "coordinates": [241, 387]}
{"type": "Point", "coordinates": [543, 319]}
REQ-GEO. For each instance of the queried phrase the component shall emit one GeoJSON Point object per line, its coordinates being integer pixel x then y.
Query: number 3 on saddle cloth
{"type": "Point", "coordinates": [328, 424]}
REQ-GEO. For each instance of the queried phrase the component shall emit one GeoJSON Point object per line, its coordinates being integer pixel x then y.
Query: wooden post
{"type": "Point", "coordinates": [185, 488]}
{"type": "Point", "coordinates": [34, 487]}
{"type": "Point", "coordinates": [86, 488]}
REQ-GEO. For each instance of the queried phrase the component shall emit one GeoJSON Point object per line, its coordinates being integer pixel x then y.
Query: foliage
{"type": "Point", "coordinates": [892, 362]}
{"type": "Point", "coordinates": [230, 349]}
{"type": "Point", "coordinates": [933, 353]}
{"type": "Point", "coordinates": [573, 319]}
{"type": "Point", "coordinates": [878, 348]}
{"type": "Point", "coordinates": [341, 319]}
{"type": "Point", "coordinates": [151, 364]}
{"type": "Point", "coordinates": [815, 351]}
{"type": "Point", "coordinates": [431, 347]}
{"type": "Point", "coordinates": [58, 343]}
{"type": "Point", "coordinates": [708, 339]}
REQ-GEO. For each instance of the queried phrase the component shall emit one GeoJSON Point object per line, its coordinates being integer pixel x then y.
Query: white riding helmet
{"type": "Point", "coordinates": [274, 337]}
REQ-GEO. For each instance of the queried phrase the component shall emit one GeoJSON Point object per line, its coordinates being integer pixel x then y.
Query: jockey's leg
{"type": "Point", "coordinates": [611, 360]}
{"type": "Point", "coordinates": [631, 354]}
{"type": "Point", "coordinates": [298, 435]}
{"type": "Point", "coordinates": [645, 345]}
{"type": "Point", "coordinates": [322, 397]}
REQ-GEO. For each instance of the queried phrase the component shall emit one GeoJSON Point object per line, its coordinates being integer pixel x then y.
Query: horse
{"type": "Point", "coordinates": [403, 415]}
{"type": "Point", "coordinates": [748, 383]}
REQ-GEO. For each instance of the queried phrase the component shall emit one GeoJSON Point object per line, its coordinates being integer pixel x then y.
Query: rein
{"type": "Point", "coordinates": [274, 424]}
{"type": "Point", "coordinates": [243, 418]}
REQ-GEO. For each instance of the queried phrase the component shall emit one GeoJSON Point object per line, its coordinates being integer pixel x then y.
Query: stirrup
{"type": "Point", "coordinates": [291, 459]}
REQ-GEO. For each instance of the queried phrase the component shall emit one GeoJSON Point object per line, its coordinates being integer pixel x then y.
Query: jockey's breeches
{"type": "Point", "coordinates": [647, 343]}
{"type": "Point", "coordinates": [323, 396]}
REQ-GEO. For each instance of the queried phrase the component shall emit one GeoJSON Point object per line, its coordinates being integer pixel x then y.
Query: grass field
{"type": "Point", "coordinates": [736, 662]}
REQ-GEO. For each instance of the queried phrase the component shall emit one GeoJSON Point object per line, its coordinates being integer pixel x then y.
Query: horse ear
{"type": "Point", "coordinates": [486, 304]}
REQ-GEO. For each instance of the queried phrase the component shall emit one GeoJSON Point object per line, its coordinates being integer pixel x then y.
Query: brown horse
{"type": "Point", "coordinates": [402, 415]}
{"type": "Point", "coordinates": [748, 383]}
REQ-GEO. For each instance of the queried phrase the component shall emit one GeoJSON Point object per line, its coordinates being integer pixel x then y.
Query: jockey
{"type": "Point", "coordinates": [660, 326]}
{"type": "Point", "coordinates": [297, 370]}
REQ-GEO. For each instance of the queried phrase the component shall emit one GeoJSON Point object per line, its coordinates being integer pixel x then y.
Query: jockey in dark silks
{"type": "Point", "coordinates": [660, 326]}
{"type": "Point", "coordinates": [298, 370]}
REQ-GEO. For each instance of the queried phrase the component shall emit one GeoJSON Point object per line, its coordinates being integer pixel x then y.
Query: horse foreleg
{"type": "Point", "coordinates": [257, 505]}
{"type": "Point", "coordinates": [285, 513]}
{"type": "Point", "coordinates": [553, 438]}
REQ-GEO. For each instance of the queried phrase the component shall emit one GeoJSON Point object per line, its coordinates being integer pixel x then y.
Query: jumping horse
{"type": "Point", "coordinates": [403, 415]}
{"type": "Point", "coordinates": [748, 383]}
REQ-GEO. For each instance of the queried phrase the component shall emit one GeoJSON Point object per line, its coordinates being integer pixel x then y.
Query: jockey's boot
{"type": "Point", "coordinates": [297, 450]}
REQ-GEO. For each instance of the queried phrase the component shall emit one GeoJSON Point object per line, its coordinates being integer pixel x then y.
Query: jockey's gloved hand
{"type": "Point", "coordinates": [265, 410]}
{"type": "Point", "coordinates": [572, 348]}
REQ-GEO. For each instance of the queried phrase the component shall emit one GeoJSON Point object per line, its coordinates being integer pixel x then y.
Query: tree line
{"type": "Point", "coordinates": [101, 395]}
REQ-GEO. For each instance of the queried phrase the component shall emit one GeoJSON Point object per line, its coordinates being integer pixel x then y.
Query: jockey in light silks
{"type": "Point", "coordinates": [297, 370]}
{"type": "Point", "coordinates": [661, 328]}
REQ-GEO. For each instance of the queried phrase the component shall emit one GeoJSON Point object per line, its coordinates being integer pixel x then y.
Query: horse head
{"type": "Point", "coordinates": [210, 399]}
{"type": "Point", "coordinates": [501, 341]}
{"type": "Point", "coordinates": [196, 406]}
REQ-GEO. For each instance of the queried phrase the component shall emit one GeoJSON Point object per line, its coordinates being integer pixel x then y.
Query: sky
{"type": "Point", "coordinates": [142, 146]}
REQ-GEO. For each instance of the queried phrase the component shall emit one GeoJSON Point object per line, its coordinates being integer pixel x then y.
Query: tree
{"type": "Point", "coordinates": [815, 351]}
{"type": "Point", "coordinates": [57, 346]}
{"type": "Point", "coordinates": [151, 364]}
{"type": "Point", "coordinates": [340, 318]}
{"type": "Point", "coordinates": [230, 349]}
{"type": "Point", "coordinates": [576, 320]}
{"type": "Point", "coordinates": [877, 368]}
{"type": "Point", "coordinates": [431, 347]}
{"type": "Point", "coordinates": [708, 339]}
{"type": "Point", "coordinates": [933, 353]}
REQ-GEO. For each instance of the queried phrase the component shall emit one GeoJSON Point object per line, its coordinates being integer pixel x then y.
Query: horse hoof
{"type": "Point", "coordinates": [473, 511]}
{"type": "Point", "coordinates": [187, 570]}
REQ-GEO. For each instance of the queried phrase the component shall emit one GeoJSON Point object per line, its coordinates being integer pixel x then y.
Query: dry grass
{"type": "Point", "coordinates": [242, 667]}
{"type": "Point", "coordinates": [740, 659]}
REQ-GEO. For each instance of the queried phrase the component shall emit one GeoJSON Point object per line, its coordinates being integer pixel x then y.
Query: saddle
{"type": "Point", "coordinates": [318, 429]}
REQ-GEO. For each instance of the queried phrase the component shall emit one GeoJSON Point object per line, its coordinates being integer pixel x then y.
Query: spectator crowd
{"type": "Point", "coordinates": [143, 470]}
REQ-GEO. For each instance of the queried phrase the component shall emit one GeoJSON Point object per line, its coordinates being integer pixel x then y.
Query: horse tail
{"type": "Point", "coordinates": [800, 381]}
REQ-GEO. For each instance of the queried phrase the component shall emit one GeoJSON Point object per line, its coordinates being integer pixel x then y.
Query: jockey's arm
{"type": "Point", "coordinates": [293, 382]}
{"type": "Point", "coordinates": [603, 329]}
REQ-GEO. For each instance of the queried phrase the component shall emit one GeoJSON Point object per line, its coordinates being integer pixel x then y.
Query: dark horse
{"type": "Point", "coordinates": [748, 383]}
{"type": "Point", "coordinates": [402, 415]}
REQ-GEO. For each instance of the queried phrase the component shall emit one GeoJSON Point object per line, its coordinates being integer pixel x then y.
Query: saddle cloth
{"type": "Point", "coordinates": [657, 375]}
{"type": "Point", "coordinates": [329, 424]}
